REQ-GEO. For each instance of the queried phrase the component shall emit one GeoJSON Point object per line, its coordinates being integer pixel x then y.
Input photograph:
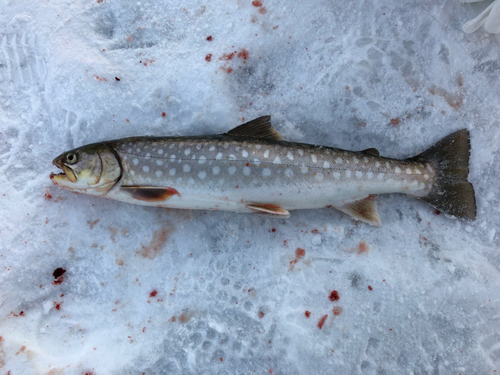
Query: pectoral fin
{"type": "Point", "coordinates": [364, 210]}
{"type": "Point", "coordinates": [150, 193]}
{"type": "Point", "coordinates": [270, 209]}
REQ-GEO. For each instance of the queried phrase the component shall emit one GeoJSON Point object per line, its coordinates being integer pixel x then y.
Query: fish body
{"type": "Point", "coordinates": [251, 169]}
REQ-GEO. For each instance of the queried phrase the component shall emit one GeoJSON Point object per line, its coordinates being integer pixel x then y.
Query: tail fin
{"type": "Point", "coordinates": [451, 193]}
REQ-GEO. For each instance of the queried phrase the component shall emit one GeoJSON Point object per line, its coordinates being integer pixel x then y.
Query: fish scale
{"type": "Point", "coordinates": [250, 169]}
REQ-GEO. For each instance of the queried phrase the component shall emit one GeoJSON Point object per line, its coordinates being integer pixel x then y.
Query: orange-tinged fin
{"type": "Point", "coordinates": [259, 128]}
{"type": "Point", "coordinates": [451, 192]}
{"type": "Point", "coordinates": [270, 209]}
{"type": "Point", "coordinates": [364, 210]}
{"type": "Point", "coordinates": [371, 151]}
{"type": "Point", "coordinates": [150, 193]}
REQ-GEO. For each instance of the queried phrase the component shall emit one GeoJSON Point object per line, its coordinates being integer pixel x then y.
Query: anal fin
{"type": "Point", "coordinates": [270, 209]}
{"type": "Point", "coordinates": [150, 193]}
{"type": "Point", "coordinates": [364, 210]}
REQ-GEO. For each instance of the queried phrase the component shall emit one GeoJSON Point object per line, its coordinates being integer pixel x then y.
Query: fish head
{"type": "Point", "coordinates": [93, 169]}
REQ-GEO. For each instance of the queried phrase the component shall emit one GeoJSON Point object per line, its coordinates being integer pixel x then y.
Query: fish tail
{"type": "Point", "coordinates": [451, 192]}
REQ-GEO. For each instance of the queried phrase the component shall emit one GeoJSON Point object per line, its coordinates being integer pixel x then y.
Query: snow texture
{"type": "Point", "coordinates": [155, 291]}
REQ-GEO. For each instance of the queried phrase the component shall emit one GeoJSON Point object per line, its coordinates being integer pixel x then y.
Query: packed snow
{"type": "Point", "coordinates": [94, 286]}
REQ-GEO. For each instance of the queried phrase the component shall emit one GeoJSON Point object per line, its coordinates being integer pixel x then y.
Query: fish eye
{"type": "Point", "coordinates": [71, 158]}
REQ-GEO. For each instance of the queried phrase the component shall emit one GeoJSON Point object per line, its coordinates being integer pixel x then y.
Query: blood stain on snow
{"type": "Point", "coordinates": [334, 296]}
{"type": "Point", "coordinates": [243, 54]}
{"type": "Point", "coordinates": [363, 247]}
{"type": "Point", "coordinates": [58, 276]}
{"type": "Point", "coordinates": [153, 293]}
{"type": "Point", "coordinates": [209, 38]}
{"type": "Point", "coordinates": [155, 247]}
{"type": "Point", "coordinates": [308, 314]}
{"type": "Point", "coordinates": [261, 314]}
{"type": "Point", "coordinates": [58, 305]}
{"type": "Point", "coordinates": [299, 253]}
{"type": "Point", "coordinates": [337, 310]}
{"type": "Point", "coordinates": [47, 195]}
{"type": "Point", "coordinates": [184, 317]}
{"type": "Point", "coordinates": [21, 350]}
{"type": "Point", "coordinates": [100, 78]}
{"type": "Point", "coordinates": [395, 121]}
{"type": "Point", "coordinates": [92, 223]}
{"type": "Point", "coordinates": [454, 100]}
{"type": "Point", "coordinates": [229, 70]}
{"type": "Point", "coordinates": [257, 3]}
{"type": "Point", "coordinates": [315, 231]}
{"type": "Point", "coordinates": [322, 321]}
{"type": "Point", "coordinates": [208, 57]}
{"type": "Point", "coordinates": [369, 287]}
{"type": "Point", "coordinates": [227, 57]}
{"type": "Point", "coordinates": [263, 10]}
{"type": "Point", "coordinates": [437, 212]}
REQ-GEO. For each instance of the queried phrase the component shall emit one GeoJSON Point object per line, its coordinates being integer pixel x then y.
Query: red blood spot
{"type": "Point", "coordinates": [337, 310]}
{"type": "Point", "coordinates": [243, 54]}
{"type": "Point", "coordinates": [322, 321]}
{"type": "Point", "coordinates": [47, 196]}
{"type": "Point", "coordinates": [270, 371]}
{"type": "Point", "coordinates": [261, 314]}
{"type": "Point", "coordinates": [227, 57]}
{"type": "Point", "coordinates": [21, 313]}
{"type": "Point", "coordinates": [308, 314]}
{"type": "Point", "coordinates": [437, 212]}
{"type": "Point", "coordinates": [369, 287]}
{"type": "Point", "coordinates": [127, 120]}
{"type": "Point", "coordinates": [247, 164]}
{"type": "Point", "coordinates": [163, 114]}
{"type": "Point", "coordinates": [395, 121]}
{"type": "Point", "coordinates": [257, 3]}
{"type": "Point", "coordinates": [143, 329]}
{"type": "Point", "coordinates": [299, 253]}
{"type": "Point", "coordinates": [273, 230]}
{"type": "Point", "coordinates": [334, 296]}
{"type": "Point", "coordinates": [58, 275]}
{"type": "Point", "coordinates": [363, 247]}
{"type": "Point", "coordinates": [208, 57]}
{"type": "Point", "coordinates": [209, 38]}
{"type": "Point", "coordinates": [173, 319]}
{"type": "Point", "coordinates": [118, 79]}
{"type": "Point", "coordinates": [230, 70]}
{"type": "Point", "coordinates": [57, 305]}
{"type": "Point", "coordinates": [315, 231]}
{"type": "Point", "coordinates": [155, 247]}
{"type": "Point", "coordinates": [263, 10]}
{"type": "Point", "coordinates": [221, 359]}
{"type": "Point", "coordinates": [153, 293]}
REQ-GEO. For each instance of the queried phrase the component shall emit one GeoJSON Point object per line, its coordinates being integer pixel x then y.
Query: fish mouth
{"type": "Point", "coordinates": [67, 174]}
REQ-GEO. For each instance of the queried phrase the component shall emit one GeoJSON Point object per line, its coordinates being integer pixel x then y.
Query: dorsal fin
{"type": "Point", "coordinates": [371, 151]}
{"type": "Point", "coordinates": [259, 128]}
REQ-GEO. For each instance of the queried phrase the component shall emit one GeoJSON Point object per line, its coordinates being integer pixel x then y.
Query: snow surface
{"type": "Point", "coordinates": [157, 291]}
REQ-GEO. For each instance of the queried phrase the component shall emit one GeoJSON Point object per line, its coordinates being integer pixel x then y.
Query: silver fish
{"type": "Point", "coordinates": [251, 169]}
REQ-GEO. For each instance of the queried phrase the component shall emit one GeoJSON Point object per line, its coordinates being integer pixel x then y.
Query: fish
{"type": "Point", "coordinates": [251, 169]}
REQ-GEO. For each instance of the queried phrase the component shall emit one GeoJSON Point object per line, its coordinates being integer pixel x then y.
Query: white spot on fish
{"type": "Point", "coordinates": [326, 164]}
{"type": "Point", "coordinates": [336, 175]}
{"type": "Point", "coordinates": [132, 172]}
{"type": "Point", "coordinates": [191, 181]}
{"type": "Point", "coordinates": [159, 162]}
{"type": "Point", "coordinates": [301, 153]}
{"type": "Point", "coordinates": [198, 146]}
{"type": "Point", "coordinates": [387, 164]}
{"type": "Point", "coordinates": [377, 164]}
{"type": "Point", "coordinates": [266, 153]}
{"type": "Point", "coordinates": [246, 171]}
{"type": "Point", "coordinates": [397, 170]}
{"type": "Point", "coordinates": [338, 161]}
{"type": "Point", "coordinates": [266, 172]}
{"type": "Point", "coordinates": [366, 160]}
{"type": "Point", "coordinates": [187, 151]}
{"type": "Point", "coordinates": [160, 151]}
{"type": "Point", "coordinates": [211, 148]}
{"type": "Point", "coordinates": [314, 159]}
{"type": "Point", "coordinates": [369, 174]}
{"type": "Point", "coordinates": [289, 155]}
{"type": "Point", "coordinates": [216, 170]}
{"type": "Point", "coordinates": [408, 171]}
{"type": "Point", "coordinates": [426, 176]}
{"type": "Point", "coordinates": [171, 146]}
{"type": "Point", "coordinates": [202, 160]}
{"type": "Point", "coordinates": [429, 168]}
{"type": "Point", "coordinates": [232, 170]}
{"type": "Point", "coordinates": [129, 150]}
{"type": "Point", "coordinates": [244, 153]}
{"type": "Point", "coordinates": [359, 174]}
{"type": "Point", "coordinates": [171, 172]}
{"type": "Point", "coordinates": [231, 157]}
{"type": "Point", "coordinates": [380, 176]}
{"type": "Point", "coordinates": [256, 161]}
{"type": "Point", "coordinates": [135, 161]}
{"type": "Point", "coordinates": [138, 150]}
{"type": "Point", "coordinates": [130, 143]}
{"type": "Point", "coordinates": [356, 160]}
{"type": "Point", "coordinates": [218, 156]}
{"type": "Point", "coordinates": [158, 173]}
{"type": "Point", "coordinates": [418, 171]}
{"type": "Point", "coordinates": [304, 169]}
{"type": "Point", "coordinates": [145, 168]}
{"type": "Point", "coordinates": [348, 174]}
{"type": "Point", "coordinates": [277, 160]}
{"type": "Point", "coordinates": [202, 174]}
{"type": "Point", "coordinates": [258, 147]}
{"type": "Point", "coordinates": [186, 168]}
{"type": "Point", "coordinates": [288, 172]}
{"type": "Point", "coordinates": [125, 157]}
{"type": "Point", "coordinates": [319, 176]}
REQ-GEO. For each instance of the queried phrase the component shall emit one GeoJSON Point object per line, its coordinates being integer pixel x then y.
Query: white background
{"type": "Point", "coordinates": [395, 75]}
